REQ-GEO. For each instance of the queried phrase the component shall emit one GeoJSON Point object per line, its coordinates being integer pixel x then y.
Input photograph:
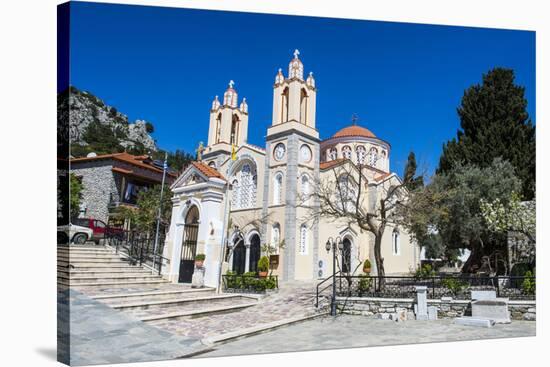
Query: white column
{"type": "Point", "coordinates": [421, 307]}
{"type": "Point", "coordinates": [247, 261]}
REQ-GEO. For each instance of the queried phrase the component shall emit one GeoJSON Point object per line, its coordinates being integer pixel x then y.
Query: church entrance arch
{"type": "Point", "coordinates": [189, 245]}
{"type": "Point", "coordinates": [255, 252]}
{"type": "Point", "coordinates": [239, 256]}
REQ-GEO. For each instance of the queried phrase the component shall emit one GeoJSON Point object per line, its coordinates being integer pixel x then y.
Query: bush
{"type": "Point", "coordinates": [426, 271]}
{"type": "Point", "coordinates": [366, 265]}
{"type": "Point", "coordinates": [365, 282]}
{"type": "Point", "coordinates": [454, 285]}
{"type": "Point", "coordinates": [263, 264]}
{"type": "Point", "coordinates": [529, 283]}
{"type": "Point", "coordinates": [520, 270]}
{"type": "Point", "coordinates": [200, 257]}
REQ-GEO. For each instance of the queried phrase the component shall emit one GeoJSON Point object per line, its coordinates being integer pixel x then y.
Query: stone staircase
{"type": "Point", "coordinates": [101, 274]}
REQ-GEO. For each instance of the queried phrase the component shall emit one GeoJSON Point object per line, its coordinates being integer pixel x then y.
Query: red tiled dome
{"type": "Point", "coordinates": [354, 130]}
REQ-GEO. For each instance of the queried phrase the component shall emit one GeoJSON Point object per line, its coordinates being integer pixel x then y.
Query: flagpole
{"type": "Point", "coordinates": [164, 167]}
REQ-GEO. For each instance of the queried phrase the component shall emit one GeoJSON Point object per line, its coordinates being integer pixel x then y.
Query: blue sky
{"type": "Point", "coordinates": [404, 81]}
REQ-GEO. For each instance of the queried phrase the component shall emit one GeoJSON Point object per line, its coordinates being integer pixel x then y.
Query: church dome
{"type": "Point", "coordinates": [354, 130]}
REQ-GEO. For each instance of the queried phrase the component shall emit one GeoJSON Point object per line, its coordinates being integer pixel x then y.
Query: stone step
{"type": "Point", "coordinates": [203, 312]}
{"type": "Point", "coordinates": [85, 249]}
{"type": "Point", "coordinates": [81, 262]}
{"type": "Point", "coordinates": [95, 267]}
{"type": "Point", "coordinates": [88, 256]}
{"type": "Point", "coordinates": [181, 304]}
{"type": "Point", "coordinates": [109, 279]}
{"type": "Point", "coordinates": [123, 298]}
{"type": "Point", "coordinates": [93, 285]}
{"type": "Point", "coordinates": [103, 273]}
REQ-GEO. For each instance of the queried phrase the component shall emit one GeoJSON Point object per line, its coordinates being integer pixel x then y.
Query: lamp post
{"type": "Point", "coordinates": [334, 245]}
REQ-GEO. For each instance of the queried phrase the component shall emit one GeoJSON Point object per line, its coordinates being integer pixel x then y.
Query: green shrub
{"type": "Point", "coordinates": [263, 264]}
{"type": "Point", "coordinates": [529, 284]}
{"type": "Point", "coordinates": [366, 265]}
{"type": "Point", "coordinates": [454, 285]}
{"type": "Point", "coordinates": [365, 282]}
{"type": "Point", "coordinates": [200, 257]}
{"type": "Point", "coordinates": [520, 270]}
{"type": "Point", "coordinates": [426, 271]}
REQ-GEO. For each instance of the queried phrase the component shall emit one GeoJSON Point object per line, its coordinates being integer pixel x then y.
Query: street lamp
{"type": "Point", "coordinates": [334, 245]}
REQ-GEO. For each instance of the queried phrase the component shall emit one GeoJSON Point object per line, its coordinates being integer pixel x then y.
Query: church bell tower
{"type": "Point", "coordinates": [228, 126]}
{"type": "Point", "coordinates": [292, 168]}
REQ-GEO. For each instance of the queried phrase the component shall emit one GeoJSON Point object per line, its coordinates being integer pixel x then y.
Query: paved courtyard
{"type": "Point", "coordinates": [356, 331]}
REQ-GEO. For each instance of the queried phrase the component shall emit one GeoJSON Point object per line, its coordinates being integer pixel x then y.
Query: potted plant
{"type": "Point", "coordinates": [366, 267]}
{"type": "Point", "coordinates": [199, 260]}
{"type": "Point", "coordinates": [263, 266]}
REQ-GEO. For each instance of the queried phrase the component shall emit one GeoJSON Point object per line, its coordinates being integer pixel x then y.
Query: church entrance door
{"type": "Point", "coordinates": [239, 257]}
{"type": "Point", "coordinates": [255, 252]}
{"type": "Point", "coordinates": [189, 246]}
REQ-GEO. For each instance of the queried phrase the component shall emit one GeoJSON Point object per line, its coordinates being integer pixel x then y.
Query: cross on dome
{"type": "Point", "coordinates": [231, 83]}
{"type": "Point", "coordinates": [296, 53]}
{"type": "Point", "coordinates": [354, 119]}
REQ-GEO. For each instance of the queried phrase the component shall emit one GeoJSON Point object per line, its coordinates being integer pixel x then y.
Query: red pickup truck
{"type": "Point", "coordinates": [98, 227]}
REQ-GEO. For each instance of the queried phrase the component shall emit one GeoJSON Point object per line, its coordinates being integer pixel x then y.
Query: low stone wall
{"type": "Point", "coordinates": [446, 306]}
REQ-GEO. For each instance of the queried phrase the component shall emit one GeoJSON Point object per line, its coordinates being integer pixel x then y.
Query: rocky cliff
{"type": "Point", "coordinates": [90, 117]}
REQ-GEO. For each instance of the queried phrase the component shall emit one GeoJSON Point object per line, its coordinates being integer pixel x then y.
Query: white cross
{"type": "Point", "coordinates": [231, 83]}
{"type": "Point", "coordinates": [296, 53]}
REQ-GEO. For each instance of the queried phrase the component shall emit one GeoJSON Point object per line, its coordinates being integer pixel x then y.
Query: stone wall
{"type": "Point", "coordinates": [446, 306]}
{"type": "Point", "coordinates": [98, 183]}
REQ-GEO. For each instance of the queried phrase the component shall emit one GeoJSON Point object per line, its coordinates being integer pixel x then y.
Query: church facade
{"type": "Point", "coordinates": [239, 201]}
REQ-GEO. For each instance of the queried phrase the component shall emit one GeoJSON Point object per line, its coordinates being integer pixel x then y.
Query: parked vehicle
{"type": "Point", "coordinates": [99, 228]}
{"type": "Point", "coordinates": [73, 233]}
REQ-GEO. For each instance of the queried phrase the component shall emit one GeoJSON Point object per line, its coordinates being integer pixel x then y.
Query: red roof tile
{"type": "Point", "coordinates": [354, 130]}
{"type": "Point", "coordinates": [207, 170]}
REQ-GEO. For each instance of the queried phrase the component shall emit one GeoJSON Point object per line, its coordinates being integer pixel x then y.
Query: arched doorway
{"type": "Point", "coordinates": [255, 252]}
{"type": "Point", "coordinates": [346, 256]}
{"type": "Point", "coordinates": [239, 256]}
{"type": "Point", "coordinates": [189, 245]}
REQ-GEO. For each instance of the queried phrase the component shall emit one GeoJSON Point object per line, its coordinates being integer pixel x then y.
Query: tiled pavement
{"type": "Point", "coordinates": [292, 300]}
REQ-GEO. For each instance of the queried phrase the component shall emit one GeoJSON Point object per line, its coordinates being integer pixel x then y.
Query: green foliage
{"type": "Point", "coordinates": [144, 216]}
{"type": "Point", "coordinates": [200, 257]}
{"type": "Point", "coordinates": [425, 271]}
{"type": "Point", "coordinates": [366, 266]}
{"type": "Point", "coordinates": [494, 123]}
{"type": "Point", "coordinates": [177, 160]}
{"type": "Point", "coordinates": [365, 282]}
{"type": "Point", "coordinates": [149, 127]}
{"type": "Point", "coordinates": [529, 283]}
{"type": "Point", "coordinates": [515, 216]}
{"type": "Point", "coordinates": [449, 208]}
{"type": "Point", "coordinates": [410, 179]}
{"type": "Point", "coordinates": [101, 139]}
{"type": "Point", "coordinates": [263, 264]}
{"type": "Point", "coordinates": [454, 285]}
{"type": "Point", "coordinates": [75, 189]}
{"type": "Point", "coordinates": [520, 270]}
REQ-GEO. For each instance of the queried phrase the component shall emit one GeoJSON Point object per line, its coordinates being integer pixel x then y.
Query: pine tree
{"type": "Point", "coordinates": [494, 123]}
{"type": "Point", "coordinates": [409, 176]}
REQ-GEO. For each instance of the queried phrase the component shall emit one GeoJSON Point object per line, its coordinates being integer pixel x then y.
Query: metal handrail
{"type": "Point", "coordinates": [319, 284]}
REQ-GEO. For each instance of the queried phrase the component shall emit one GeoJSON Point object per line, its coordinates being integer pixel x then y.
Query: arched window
{"type": "Point", "coordinates": [244, 191]}
{"type": "Point", "coordinates": [284, 106]}
{"type": "Point", "coordinates": [303, 240]}
{"type": "Point", "coordinates": [382, 160]}
{"type": "Point", "coordinates": [361, 154]}
{"type": "Point", "coordinates": [235, 199]}
{"type": "Point", "coordinates": [346, 152]}
{"type": "Point", "coordinates": [373, 157]}
{"type": "Point", "coordinates": [333, 154]}
{"type": "Point", "coordinates": [395, 242]}
{"type": "Point", "coordinates": [305, 189]}
{"type": "Point", "coordinates": [277, 188]}
{"type": "Point", "coordinates": [345, 193]}
{"type": "Point", "coordinates": [218, 127]}
{"type": "Point", "coordinates": [234, 130]}
{"type": "Point", "coordinates": [303, 107]}
{"type": "Point", "coordinates": [276, 237]}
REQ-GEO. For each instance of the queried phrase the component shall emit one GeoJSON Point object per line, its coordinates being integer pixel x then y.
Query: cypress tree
{"type": "Point", "coordinates": [494, 123]}
{"type": "Point", "coordinates": [409, 176]}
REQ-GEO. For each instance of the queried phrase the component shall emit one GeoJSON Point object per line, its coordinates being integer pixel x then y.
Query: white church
{"type": "Point", "coordinates": [238, 199]}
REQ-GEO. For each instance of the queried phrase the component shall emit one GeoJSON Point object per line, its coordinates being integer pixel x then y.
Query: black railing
{"type": "Point", "coordinates": [138, 247]}
{"type": "Point", "coordinates": [320, 290]}
{"type": "Point", "coordinates": [249, 283]}
{"type": "Point", "coordinates": [458, 287]}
